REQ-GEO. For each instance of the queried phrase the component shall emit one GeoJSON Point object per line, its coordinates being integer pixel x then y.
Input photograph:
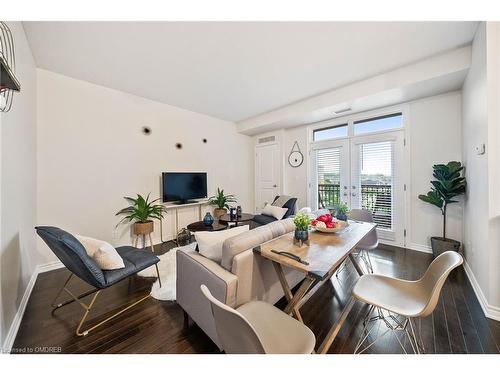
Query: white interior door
{"type": "Point", "coordinates": [331, 174]}
{"type": "Point", "coordinates": [267, 174]}
{"type": "Point", "coordinates": [377, 183]}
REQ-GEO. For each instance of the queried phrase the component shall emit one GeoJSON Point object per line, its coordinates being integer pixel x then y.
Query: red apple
{"type": "Point", "coordinates": [322, 218]}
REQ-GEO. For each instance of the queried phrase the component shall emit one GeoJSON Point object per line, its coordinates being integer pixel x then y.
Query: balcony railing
{"type": "Point", "coordinates": [376, 198]}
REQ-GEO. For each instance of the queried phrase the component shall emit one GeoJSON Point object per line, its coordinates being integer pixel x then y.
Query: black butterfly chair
{"type": "Point", "coordinates": [73, 255]}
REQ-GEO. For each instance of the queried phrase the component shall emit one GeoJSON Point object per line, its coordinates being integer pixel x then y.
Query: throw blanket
{"type": "Point", "coordinates": [281, 200]}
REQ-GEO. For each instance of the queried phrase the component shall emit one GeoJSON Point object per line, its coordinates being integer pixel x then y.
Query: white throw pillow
{"type": "Point", "coordinates": [274, 211]}
{"type": "Point", "coordinates": [103, 253]}
{"type": "Point", "coordinates": [210, 243]}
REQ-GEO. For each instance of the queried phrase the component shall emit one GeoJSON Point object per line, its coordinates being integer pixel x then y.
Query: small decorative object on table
{"type": "Point", "coordinates": [221, 202]}
{"type": "Point", "coordinates": [232, 213]}
{"type": "Point", "coordinates": [302, 223]}
{"type": "Point", "coordinates": [238, 211]}
{"type": "Point", "coordinates": [183, 237]}
{"type": "Point", "coordinates": [341, 210]}
{"type": "Point", "coordinates": [208, 219]}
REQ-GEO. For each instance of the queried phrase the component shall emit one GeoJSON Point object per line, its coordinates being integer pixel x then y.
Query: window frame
{"type": "Point", "coordinates": [331, 126]}
{"type": "Point", "coordinates": [356, 118]}
{"type": "Point", "coordinates": [375, 118]}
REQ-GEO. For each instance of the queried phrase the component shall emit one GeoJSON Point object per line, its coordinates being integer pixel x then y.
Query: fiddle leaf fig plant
{"type": "Point", "coordinates": [448, 184]}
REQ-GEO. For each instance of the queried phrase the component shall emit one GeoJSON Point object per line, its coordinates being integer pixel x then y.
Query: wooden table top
{"type": "Point", "coordinates": [324, 253]}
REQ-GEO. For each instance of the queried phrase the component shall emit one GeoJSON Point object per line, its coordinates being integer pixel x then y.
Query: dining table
{"type": "Point", "coordinates": [318, 260]}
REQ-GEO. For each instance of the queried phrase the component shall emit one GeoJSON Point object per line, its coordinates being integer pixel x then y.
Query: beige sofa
{"type": "Point", "coordinates": [241, 276]}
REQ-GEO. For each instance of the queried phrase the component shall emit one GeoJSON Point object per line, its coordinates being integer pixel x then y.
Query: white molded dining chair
{"type": "Point", "coordinates": [258, 327]}
{"type": "Point", "coordinates": [368, 243]}
{"type": "Point", "coordinates": [398, 302]}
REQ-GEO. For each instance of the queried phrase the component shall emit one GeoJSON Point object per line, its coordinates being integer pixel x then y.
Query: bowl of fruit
{"type": "Point", "coordinates": [328, 224]}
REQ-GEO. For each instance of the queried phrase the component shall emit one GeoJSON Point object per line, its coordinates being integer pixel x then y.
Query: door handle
{"type": "Point", "coordinates": [353, 194]}
{"type": "Point", "coordinates": [275, 185]}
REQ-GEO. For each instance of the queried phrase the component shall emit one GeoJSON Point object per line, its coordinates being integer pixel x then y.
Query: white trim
{"type": "Point", "coordinates": [492, 312]}
{"type": "Point", "coordinates": [16, 322]}
{"type": "Point", "coordinates": [419, 247]}
{"type": "Point", "coordinates": [49, 266]}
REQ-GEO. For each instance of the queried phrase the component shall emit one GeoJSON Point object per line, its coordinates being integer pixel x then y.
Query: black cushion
{"type": "Point", "coordinates": [263, 219]}
{"type": "Point", "coordinates": [73, 255]}
{"type": "Point", "coordinates": [290, 204]}
{"type": "Point", "coordinates": [135, 260]}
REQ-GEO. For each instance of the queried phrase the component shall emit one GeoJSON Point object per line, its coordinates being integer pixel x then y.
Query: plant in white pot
{"type": "Point", "coordinates": [448, 184]}
{"type": "Point", "coordinates": [141, 211]}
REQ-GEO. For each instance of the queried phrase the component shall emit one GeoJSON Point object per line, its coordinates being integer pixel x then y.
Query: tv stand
{"type": "Point", "coordinates": [175, 206]}
{"type": "Point", "coordinates": [183, 203]}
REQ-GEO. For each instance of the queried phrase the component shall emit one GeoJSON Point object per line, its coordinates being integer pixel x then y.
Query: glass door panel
{"type": "Point", "coordinates": [376, 181]}
{"type": "Point", "coordinates": [330, 167]}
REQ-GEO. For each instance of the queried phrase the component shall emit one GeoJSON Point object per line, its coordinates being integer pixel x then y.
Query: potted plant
{"type": "Point", "coordinates": [302, 223]}
{"type": "Point", "coordinates": [141, 211]}
{"type": "Point", "coordinates": [448, 184]}
{"type": "Point", "coordinates": [341, 210]}
{"type": "Point", "coordinates": [221, 202]}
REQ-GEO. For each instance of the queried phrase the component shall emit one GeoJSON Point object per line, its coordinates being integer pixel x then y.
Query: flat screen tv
{"type": "Point", "coordinates": [182, 187]}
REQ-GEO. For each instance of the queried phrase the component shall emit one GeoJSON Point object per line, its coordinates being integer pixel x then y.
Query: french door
{"type": "Point", "coordinates": [364, 172]}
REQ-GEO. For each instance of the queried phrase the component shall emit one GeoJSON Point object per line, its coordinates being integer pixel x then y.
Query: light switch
{"type": "Point", "coordinates": [481, 149]}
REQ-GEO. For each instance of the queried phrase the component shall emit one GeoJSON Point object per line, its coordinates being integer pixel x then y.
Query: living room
{"type": "Point", "coordinates": [160, 196]}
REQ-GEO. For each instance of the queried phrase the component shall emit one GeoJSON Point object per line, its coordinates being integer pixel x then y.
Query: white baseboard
{"type": "Point", "coordinates": [419, 247]}
{"type": "Point", "coordinates": [492, 312]}
{"type": "Point", "coordinates": [49, 266]}
{"type": "Point", "coordinates": [16, 322]}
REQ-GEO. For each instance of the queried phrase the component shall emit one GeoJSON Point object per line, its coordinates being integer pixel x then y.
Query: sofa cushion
{"type": "Point", "coordinates": [263, 219]}
{"type": "Point", "coordinates": [255, 237]}
{"type": "Point", "coordinates": [274, 211]}
{"type": "Point", "coordinates": [290, 203]}
{"type": "Point", "coordinates": [209, 244]}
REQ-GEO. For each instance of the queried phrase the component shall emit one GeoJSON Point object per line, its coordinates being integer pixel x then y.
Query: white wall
{"type": "Point", "coordinates": [91, 153]}
{"type": "Point", "coordinates": [475, 132]}
{"type": "Point", "coordinates": [480, 126]}
{"type": "Point", "coordinates": [435, 137]}
{"type": "Point", "coordinates": [493, 67]}
{"type": "Point", "coordinates": [296, 178]}
{"type": "Point", "coordinates": [18, 255]}
{"type": "Point", "coordinates": [432, 122]}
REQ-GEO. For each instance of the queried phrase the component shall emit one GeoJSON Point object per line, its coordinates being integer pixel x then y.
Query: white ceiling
{"type": "Point", "coordinates": [235, 71]}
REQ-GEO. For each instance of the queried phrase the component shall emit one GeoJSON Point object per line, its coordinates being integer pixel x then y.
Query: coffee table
{"type": "Point", "coordinates": [199, 226]}
{"type": "Point", "coordinates": [226, 218]}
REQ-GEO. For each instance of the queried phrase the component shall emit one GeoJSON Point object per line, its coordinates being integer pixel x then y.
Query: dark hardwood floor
{"type": "Point", "coordinates": [458, 324]}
